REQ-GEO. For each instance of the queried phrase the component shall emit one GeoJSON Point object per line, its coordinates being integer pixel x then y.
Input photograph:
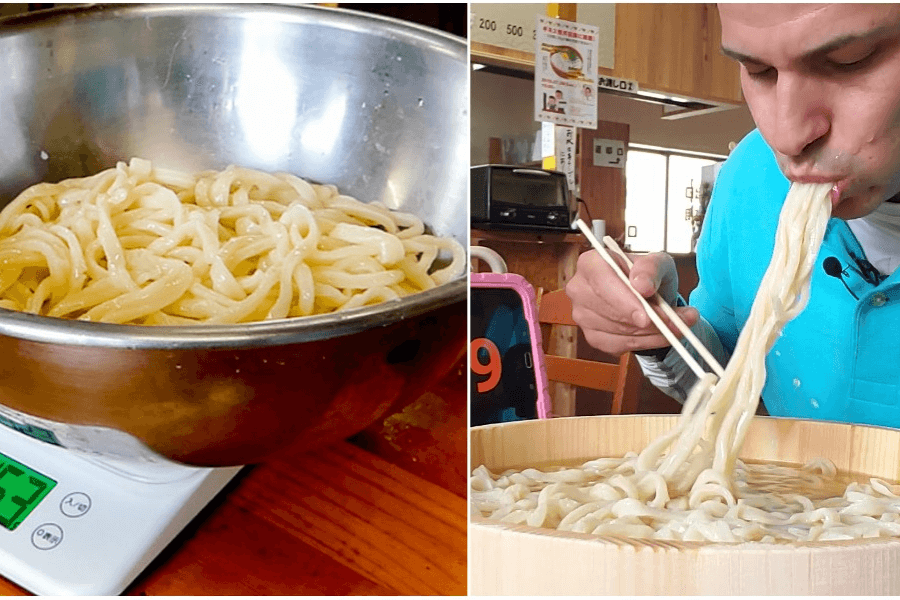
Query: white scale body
{"type": "Point", "coordinates": [103, 522]}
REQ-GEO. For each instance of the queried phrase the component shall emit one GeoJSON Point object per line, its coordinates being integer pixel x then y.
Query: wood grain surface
{"type": "Point", "coordinates": [665, 47]}
{"type": "Point", "coordinates": [383, 513]}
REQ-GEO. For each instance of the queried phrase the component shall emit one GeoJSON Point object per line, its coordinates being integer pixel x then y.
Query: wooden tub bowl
{"type": "Point", "coordinates": [521, 560]}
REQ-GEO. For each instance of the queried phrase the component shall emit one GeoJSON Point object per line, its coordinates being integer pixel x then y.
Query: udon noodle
{"type": "Point", "coordinates": [143, 245]}
{"type": "Point", "coordinates": [689, 484]}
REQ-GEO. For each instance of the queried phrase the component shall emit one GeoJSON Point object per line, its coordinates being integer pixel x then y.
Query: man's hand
{"type": "Point", "coordinates": [612, 319]}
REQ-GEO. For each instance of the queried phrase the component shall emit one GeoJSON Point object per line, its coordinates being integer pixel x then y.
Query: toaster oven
{"type": "Point", "coordinates": [521, 198]}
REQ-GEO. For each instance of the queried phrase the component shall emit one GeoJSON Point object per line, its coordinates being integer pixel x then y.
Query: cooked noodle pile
{"type": "Point", "coordinates": [688, 484]}
{"type": "Point", "coordinates": [143, 245]}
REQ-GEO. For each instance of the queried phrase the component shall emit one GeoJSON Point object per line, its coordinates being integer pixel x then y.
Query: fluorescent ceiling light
{"type": "Point", "coordinates": [637, 146]}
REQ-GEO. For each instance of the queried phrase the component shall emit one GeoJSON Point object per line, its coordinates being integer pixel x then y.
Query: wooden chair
{"type": "Point", "coordinates": [622, 379]}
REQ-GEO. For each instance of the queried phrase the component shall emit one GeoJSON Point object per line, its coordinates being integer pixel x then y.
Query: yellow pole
{"type": "Point", "coordinates": [566, 12]}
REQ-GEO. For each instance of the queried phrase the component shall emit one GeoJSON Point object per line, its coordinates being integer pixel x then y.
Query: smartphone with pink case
{"type": "Point", "coordinates": [508, 380]}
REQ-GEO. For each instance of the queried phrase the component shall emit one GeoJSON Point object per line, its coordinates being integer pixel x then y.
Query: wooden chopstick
{"type": "Point", "coordinates": [670, 312]}
{"type": "Point", "coordinates": [657, 320]}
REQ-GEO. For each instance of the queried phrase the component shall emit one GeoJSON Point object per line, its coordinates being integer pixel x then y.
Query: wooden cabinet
{"type": "Point", "coordinates": [675, 48]}
{"type": "Point", "coordinates": [671, 48]}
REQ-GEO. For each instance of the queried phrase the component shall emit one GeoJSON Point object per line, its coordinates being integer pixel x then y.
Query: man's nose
{"type": "Point", "coordinates": [801, 116]}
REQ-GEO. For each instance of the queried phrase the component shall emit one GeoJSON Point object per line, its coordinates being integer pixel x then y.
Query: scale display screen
{"type": "Point", "coordinates": [21, 490]}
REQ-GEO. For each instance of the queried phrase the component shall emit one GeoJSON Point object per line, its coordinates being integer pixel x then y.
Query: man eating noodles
{"type": "Point", "coordinates": [822, 82]}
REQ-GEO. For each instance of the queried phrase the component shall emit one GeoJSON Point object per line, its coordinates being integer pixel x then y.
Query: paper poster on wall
{"type": "Point", "coordinates": [565, 73]}
{"type": "Point", "coordinates": [565, 154]}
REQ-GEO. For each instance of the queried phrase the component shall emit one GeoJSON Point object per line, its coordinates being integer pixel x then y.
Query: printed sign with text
{"type": "Point", "coordinates": [565, 73]}
{"type": "Point", "coordinates": [565, 154]}
{"type": "Point", "coordinates": [505, 25]}
{"type": "Point", "coordinates": [609, 153]}
{"type": "Point", "coordinates": [606, 82]}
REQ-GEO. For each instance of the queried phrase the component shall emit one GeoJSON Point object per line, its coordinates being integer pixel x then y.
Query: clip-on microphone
{"type": "Point", "coordinates": [832, 267]}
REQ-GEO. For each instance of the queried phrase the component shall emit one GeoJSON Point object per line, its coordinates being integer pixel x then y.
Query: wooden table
{"type": "Point", "coordinates": [383, 513]}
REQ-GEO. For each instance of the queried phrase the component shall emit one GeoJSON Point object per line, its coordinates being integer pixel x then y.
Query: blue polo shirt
{"type": "Point", "coordinates": [839, 359]}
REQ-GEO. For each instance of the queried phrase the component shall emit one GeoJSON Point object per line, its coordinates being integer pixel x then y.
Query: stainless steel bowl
{"type": "Point", "coordinates": [373, 105]}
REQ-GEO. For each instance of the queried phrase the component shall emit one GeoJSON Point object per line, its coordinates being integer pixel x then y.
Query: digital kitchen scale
{"type": "Point", "coordinates": [75, 524]}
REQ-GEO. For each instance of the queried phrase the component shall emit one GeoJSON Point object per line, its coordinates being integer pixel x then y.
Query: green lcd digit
{"type": "Point", "coordinates": [21, 490]}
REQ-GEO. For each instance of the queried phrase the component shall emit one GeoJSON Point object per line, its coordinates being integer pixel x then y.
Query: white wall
{"type": "Point", "coordinates": [502, 106]}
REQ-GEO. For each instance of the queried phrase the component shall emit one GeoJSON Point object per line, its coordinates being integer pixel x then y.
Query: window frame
{"type": "Point", "coordinates": [666, 153]}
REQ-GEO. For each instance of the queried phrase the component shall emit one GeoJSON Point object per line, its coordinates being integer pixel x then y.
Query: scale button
{"type": "Point", "coordinates": [47, 536]}
{"type": "Point", "coordinates": [75, 504]}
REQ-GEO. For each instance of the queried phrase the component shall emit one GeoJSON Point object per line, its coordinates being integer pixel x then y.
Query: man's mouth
{"type": "Point", "coordinates": [838, 190]}
{"type": "Point", "coordinates": [797, 178]}
{"type": "Point", "coordinates": [841, 183]}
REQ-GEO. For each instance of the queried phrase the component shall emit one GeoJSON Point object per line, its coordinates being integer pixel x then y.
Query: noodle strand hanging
{"type": "Point", "coordinates": [689, 484]}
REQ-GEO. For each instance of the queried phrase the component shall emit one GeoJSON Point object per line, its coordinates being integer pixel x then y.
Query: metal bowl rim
{"type": "Point", "coordinates": [13, 24]}
{"type": "Point", "coordinates": [37, 328]}
{"type": "Point", "coordinates": [276, 332]}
